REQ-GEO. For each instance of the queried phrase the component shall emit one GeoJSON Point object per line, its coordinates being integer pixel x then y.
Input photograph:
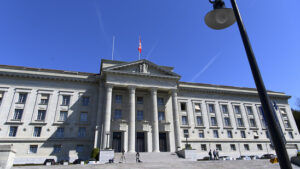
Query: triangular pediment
{"type": "Point", "coordinates": [142, 67]}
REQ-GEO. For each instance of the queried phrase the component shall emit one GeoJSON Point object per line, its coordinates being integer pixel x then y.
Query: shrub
{"type": "Point", "coordinates": [95, 153]}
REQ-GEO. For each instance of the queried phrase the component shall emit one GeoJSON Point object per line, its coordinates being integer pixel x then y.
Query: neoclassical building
{"type": "Point", "coordinates": [132, 106]}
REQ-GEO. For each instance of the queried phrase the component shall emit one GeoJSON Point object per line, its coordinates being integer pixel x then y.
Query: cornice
{"type": "Point", "coordinates": [141, 74]}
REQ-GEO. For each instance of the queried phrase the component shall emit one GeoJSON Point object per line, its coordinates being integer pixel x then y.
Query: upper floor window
{"type": "Point", "coordinates": [267, 134]}
{"type": "Point", "coordinates": [118, 114]}
{"type": "Point", "coordinates": [83, 116]}
{"type": "Point", "coordinates": [213, 121]}
{"type": "Point", "coordinates": [140, 100]}
{"type": "Point", "coordinates": [18, 114]}
{"type": "Point", "coordinates": [118, 99]}
{"type": "Point", "coordinates": [33, 149]}
{"type": "Point", "coordinates": [252, 122]}
{"type": "Point", "coordinates": [216, 133]}
{"type": "Point", "coordinates": [66, 100]}
{"type": "Point", "coordinates": [249, 110]}
{"type": "Point", "coordinates": [161, 116]}
{"type": "Point", "coordinates": [22, 98]}
{"type": "Point", "coordinates": [41, 115]}
{"type": "Point", "coordinates": [287, 124]}
{"type": "Point", "coordinates": [291, 135]}
{"type": "Point", "coordinates": [186, 133]}
{"type": "Point", "coordinates": [183, 106]}
{"type": "Point", "coordinates": [237, 109]}
{"type": "Point", "coordinates": [1, 97]}
{"type": "Point", "coordinates": [37, 131]}
{"type": "Point", "coordinates": [199, 121]}
{"type": "Point", "coordinates": [60, 132]}
{"type": "Point", "coordinates": [44, 99]}
{"type": "Point", "coordinates": [81, 132]}
{"type": "Point", "coordinates": [140, 115]}
{"type": "Point", "coordinates": [197, 107]}
{"type": "Point", "coordinates": [211, 108]}
{"type": "Point", "coordinates": [225, 109]}
{"type": "Point", "coordinates": [63, 116]}
{"type": "Point", "coordinates": [227, 121]}
{"type": "Point", "coordinates": [160, 101]}
{"type": "Point", "coordinates": [243, 134]}
{"type": "Point", "coordinates": [240, 122]}
{"type": "Point", "coordinates": [13, 131]}
{"type": "Point", "coordinates": [184, 120]}
{"type": "Point", "coordinates": [229, 134]}
{"type": "Point", "coordinates": [85, 100]}
{"type": "Point", "coordinates": [201, 133]}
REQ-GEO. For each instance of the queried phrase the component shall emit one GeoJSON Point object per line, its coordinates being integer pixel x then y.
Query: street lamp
{"type": "Point", "coordinates": [186, 142]}
{"type": "Point", "coordinates": [107, 136]}
{"type": "Point", "coordinates": [221, 18]}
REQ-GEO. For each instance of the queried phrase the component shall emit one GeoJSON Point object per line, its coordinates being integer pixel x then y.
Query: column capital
{"type": "Point", "coordinates": [153, 90]}
{"type": "Point", "coordinates": [131, 88]}
{"type": "Point", "coordinates": [174, 92]}
{"type": "Point", "coordinates": [109, 86]}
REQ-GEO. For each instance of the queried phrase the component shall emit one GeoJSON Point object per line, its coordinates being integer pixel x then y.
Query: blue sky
{"type": "Point", "coordinates": [75, 34]}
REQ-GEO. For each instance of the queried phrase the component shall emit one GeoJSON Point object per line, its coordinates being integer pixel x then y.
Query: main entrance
{"type": "Point", "coordinates": [163, 147]}
{"type": "Point", "coordinates": [140, 142]}
{"type": "Point", "coordinates": [117, 141]}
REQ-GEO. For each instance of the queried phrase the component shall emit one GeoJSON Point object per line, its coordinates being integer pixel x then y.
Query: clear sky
{"type": "Point", "coordinates": [75, 34]}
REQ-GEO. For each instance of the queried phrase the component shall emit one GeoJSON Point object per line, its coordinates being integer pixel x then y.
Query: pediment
{"type": "Point", "coordinates": [142, 67]}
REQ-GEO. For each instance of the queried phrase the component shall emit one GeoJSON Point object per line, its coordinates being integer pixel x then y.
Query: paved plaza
{"type": "Point", "coordinates": [239, 164]}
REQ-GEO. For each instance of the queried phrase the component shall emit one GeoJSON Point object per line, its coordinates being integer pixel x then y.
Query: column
{"type": "Point", "coordinates": [155, 132]}
{"type": "Point", "coordinates": [176, 120]}
{"type": "Point", "coordinates": [107, 118]}
{"type": "Point", "coordinates": [131, 125]}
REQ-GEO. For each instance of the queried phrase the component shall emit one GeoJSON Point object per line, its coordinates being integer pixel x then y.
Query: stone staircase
{"type": "Point", "coordinates": [149, 157]}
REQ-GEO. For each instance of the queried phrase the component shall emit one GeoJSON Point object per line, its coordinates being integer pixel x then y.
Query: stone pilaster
{"type": "Point", "coordinates": [131, 125]}
{"type": "Point", "coordinates": [105, 141]}
{"type": "Point", "coordinates": [176, 120]}
{"type": "Point", "coordinates": [155, 131]}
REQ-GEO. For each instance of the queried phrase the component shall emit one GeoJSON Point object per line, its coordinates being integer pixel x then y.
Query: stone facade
{"type": "Point", "coordinates": [130, 106]}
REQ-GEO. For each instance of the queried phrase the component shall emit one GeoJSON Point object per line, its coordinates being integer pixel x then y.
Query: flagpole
{"type": "Point", "coordinates": [113, 48]}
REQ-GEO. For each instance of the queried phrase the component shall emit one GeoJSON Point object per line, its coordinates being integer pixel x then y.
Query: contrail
{"type": "Point", "coordinates": [206, 66]}
{"type": "Point", "coordinates": [152, 49]}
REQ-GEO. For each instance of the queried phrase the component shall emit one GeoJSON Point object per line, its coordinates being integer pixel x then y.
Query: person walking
{"type": "Point", "coordinates": [137, 157]}
{"type": "Point", "coordinates": [210, 155]}
{"type": "Point", "coordinates": [215, 154]}
{"type": "Point", "coordinates": [123, 159]}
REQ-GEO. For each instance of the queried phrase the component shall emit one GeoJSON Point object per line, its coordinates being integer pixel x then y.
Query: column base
{"type": "Point", "coordinates": [156, 151]}
{"type": "Point", "coordinates": [131, 151]}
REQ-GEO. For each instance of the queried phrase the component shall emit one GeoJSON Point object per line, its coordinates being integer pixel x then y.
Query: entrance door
{"type": "Point", "coordinates": [140, 142]}
{"type": "Point", "coordinates": [116, 143]}
{"type": "Point", "coordinates": [163, 142]}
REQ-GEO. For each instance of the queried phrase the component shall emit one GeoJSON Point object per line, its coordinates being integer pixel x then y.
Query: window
{"type": "Point", "coordinates": [252, 123]}
{"type": "Point", "coordinates": [271, 146]}
{"type": "Point", "coordinates": [118, 114]}
{"type": "Point", "coordinates": [186, 133]}
{"type": "Point", "coordinates": [160, 101]}
{"type": "Point", "coordinates": [232, 147]}
{"type": "Point", "coordinates": [83, 116]}
{"type": "Point", "coordinates": [211, 108]}
{"type": "Point", "coordinates": [240, 122]}
{"type": "Point", "coordinates": [199, 121]}
{"type": "Point", "coordinates": [183, 106]}
{"type": "Point", "coordinates": [44, 99]}
{"type": "Point", "coordinates": [227, 121]}
{"type": "Point", "coordinates": [60, 132]}
{"type": "Point", "coordinates": [66, 100]}
{"type": "Point", "coordinates": [229, 134]}
{"type": "Point", "coordinates": [184, 120]}
{"type": "Point", "coordinates": [213, 121]}
{"type": "Point", "coordinates": [287, 124]}
{"type": "Point", "coordinates": [224, 109]}
{"type": "Point", "coordinates": [203, 147]}
{"type": "Point", "coordinates": [243, 134]}
{"type": "Point", "coordinates": [161, 116]}
{"type": "Point", "coordinates": [249, 110]}
{"type": "Point", "coordinates": [197, 107]}
{"type": "Point", "coordinates": [33, 149]}
{"type": "Point", "coordinates": [13, 131]}
{"type": "Point", "coordinates": [201, 134]}
{"type": "Point", "coordinates": [41, 115]}
{"type": "Point", "coordinates": [237, 109]}
{"type": "Point", "coordinates": [118, 99]}
{"type": "Point", "coordinates": [255, 134]}
{"type": "Point", "coordinates": [140, 115]}
{"type": "Point", "coordinates": [56, 148]}
{"type": "Point", "coordinates": [267, 134]}
{"type": "Point", "coordinates": [216, 134]}
{"type": "Point", "coordinates": [79, 148]}
{"type": "Point", "coordinates": [140, 100]}
{"type": "Point", "coordinates": [85, 100]}
{"type": "Point", "coordinates": [219, 147]}
{"type": "Point", "coordinates": [259, 147]}
{"type": "Point", "coordinates": [291, 135]}
{"type": "Point", "coordinates": [81, 132]}
{"type": "Point", "coordinates": [246, 147]}
{"type": "Point", "coordinates": [37, 131]}
{"type": "Point", "coordinates": [63, 116]}
{"type": "Point", "coordinates": [1, 97]}
{"type": "Point", "coordinates": [22, 98]}
{"type": "Point", "coordinates": [18, 114]}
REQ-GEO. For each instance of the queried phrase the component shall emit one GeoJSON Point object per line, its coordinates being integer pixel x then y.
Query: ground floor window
{"type": "Point", "coordinates": [33, 149]}
{"type": "Point", "coordinates": [203, 147]}
{"type": "Point", "coordinates": [246, 147]}
{"type": "Point", "coordinates": [259, 147]}
{"type": "Point", "coordinates": [232, 147]}
{"type": "Point", "coordinates": [219, 147]}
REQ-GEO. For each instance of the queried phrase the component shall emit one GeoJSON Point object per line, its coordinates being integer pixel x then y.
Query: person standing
{"type": "Point", "coordinates": [123, 159]}
{"type": "Point", "coordinates": [215, 154]}
{"type": "Point", "coordinates": [137, 157]}
{"type": "Point", "coordinates": [210, 155]}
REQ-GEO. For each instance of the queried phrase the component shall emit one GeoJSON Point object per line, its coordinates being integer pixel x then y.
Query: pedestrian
{"type": "Point", "coordinates": [210, 155]}
{"type": "Point", "coordinates": [123, 159]}
{"type": "Point", "coordinates": [137, 157]}
{"type": "Point", "coordinates": [215, 154]}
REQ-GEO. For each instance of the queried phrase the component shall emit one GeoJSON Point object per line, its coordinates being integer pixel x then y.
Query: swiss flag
{"type": "Point", "coordinates": [140, 46]}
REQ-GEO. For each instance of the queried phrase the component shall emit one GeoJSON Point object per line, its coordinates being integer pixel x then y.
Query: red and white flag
{"type": "Point", "coordinates": [140, 46]}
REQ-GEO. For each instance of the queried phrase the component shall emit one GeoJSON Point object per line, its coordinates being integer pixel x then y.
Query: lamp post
{"type": "Point", "coordinates": [186, 142]}
{"type": "Point", "coordinates": [221, 18]}
{"type": "Point", "coordinates": [107, 135]}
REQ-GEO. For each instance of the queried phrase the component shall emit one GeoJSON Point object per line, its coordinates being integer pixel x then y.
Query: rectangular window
{"type": "Point", "coordinates": [243, 134]}
{"type": "Point", "coordinates": [56, 149]}
{"type": "Point", "coordinates": [41, 115]}
{"type": "Point", "coordinates": [203, 147]}
{"type": "Point", "coordinates": [237, 109]}
{"type": "Point", "coordinates": [213, 121]}
{"type": "Point", "coordinates": [60, 132]}
{"type": "Point", "coordinates": [197, 107]}
{"type": "Point", "coordinates": [37, 131]}
{"type": "Point", "coordinates": [81, 132]}
{"type": "Point", "coordinates": [118, 99]}
{"type": "Point", "coordinates": [201, 134]}
{"type": "Point", "coordinates": [85, 100]}
{"type": "Point", "coordinates": [291, 135]}
{"type": "Point", "coordinates": [33, 149]}
{"type": "Point", "coordinates": [232, 147]}
{"type": "Point", "coordinates": [13, 131]}
{"type": "Point", "coordinates": [79, 148]}
{"type": "Point", "coordinates": [118, 114]}
{"type": "Point", "coordinates": [227, 122]}
{"type": "Point", "coordinates": [140, 115]}
{"type": "Point", "coordinates": [219, 147]}
{"type": "Point", "coordinates": [66, 100]}
{"type": "Point", "coordinates": [259, 147]}
{"type": "Point", "coordinates": [161, 116]}
{"type": "Point", "coordinates": [240, 122]}
{"type": "Point", "coordinates": [83, 116]}
{"type": "Point", "coordinates": [183, 106]}
{"type": "Point", "coordinates": [184, 120]}
{"type": "Point", "coordinates": [287, 124]}
{"type": "Point", "coordinates": [199, 121]}
{"type": "Point", "coordinates": [63, 116]}
{"type": "Point", "coordinates": [18, 114]}
{"type": "Point", "coordinates": [1, 97]}
{"type": "Point", "coordinates": [140, 100]}
{"type": "Point", "coordinates": [267, 134]}
{"type": "Point", "coordinates": [22, 98]}
{"type": "Point", "coordinates": [44, 99]}
{"type": "Point", "coordinates": [160, 101]}
{"type": "Point", "coordinates": [252, 123]}
{"type": "Point", "coordinates": [225, 109]}
{"type": "Point", "coordinates": [229, 134]}
{"type": "Point", "coordinates": [246, 147]}
{"type": "Point", "coordinates": [216, 134]}
{"type": "Point", "coordinates": [249, 110]}
{"type": "Point", "coordinates": [211, 108]}
{"type": "Point", "coordinates": [186, 133]}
